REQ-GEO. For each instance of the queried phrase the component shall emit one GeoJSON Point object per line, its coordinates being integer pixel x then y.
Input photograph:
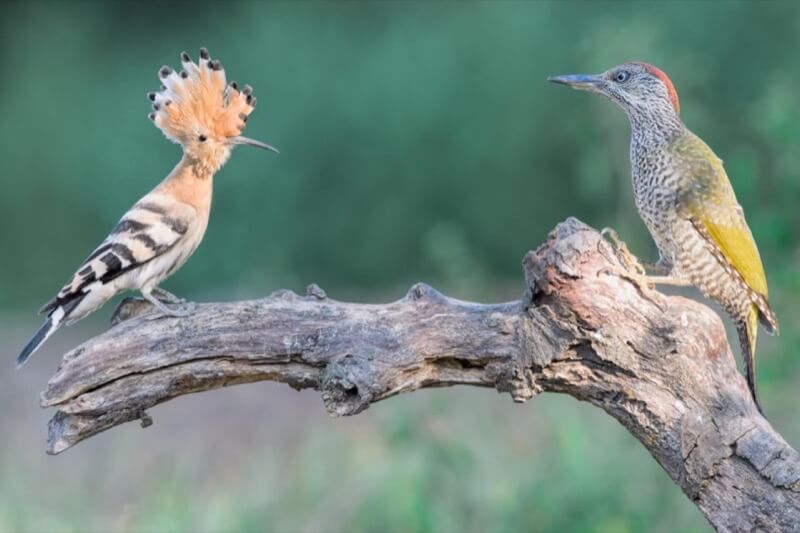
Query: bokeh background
{"type": "Point", "coordinates": [419, 141]}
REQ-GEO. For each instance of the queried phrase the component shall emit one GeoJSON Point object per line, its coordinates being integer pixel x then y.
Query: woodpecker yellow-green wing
{"type": "Point", "coordinates": [707, 200]}
{"type": "Point", "coordinates": [711, 205]}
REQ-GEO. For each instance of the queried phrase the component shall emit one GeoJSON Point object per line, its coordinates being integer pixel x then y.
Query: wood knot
{"type": "Point", "coordinates": [146, 420]}
{"type": "Point", "coordinates": [345, 386]}
{"type": "Point", "coordinates": [519, 382]}
{"type": "Point", "coordinates": [283, 294]}
{"type": "Point", "coordinates": [130, 307]}
{"type": "Point", "coordinates": [424, 292]}
{"type": "Point", "coordinates": [316, 291]}
{"type": "Point", "coordinates": [501, 323]}
{"type": "Point", "coordinates": [418, 291]}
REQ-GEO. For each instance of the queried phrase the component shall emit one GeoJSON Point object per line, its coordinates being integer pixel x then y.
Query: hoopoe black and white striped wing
{"type": "Point", "coordinates": [152, 227]}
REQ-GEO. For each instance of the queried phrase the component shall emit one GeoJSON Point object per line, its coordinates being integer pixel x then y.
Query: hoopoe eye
{"type": "Point", "coordinates": [202, 138]}
{"type": "Point", "coordinates": [622, 76]}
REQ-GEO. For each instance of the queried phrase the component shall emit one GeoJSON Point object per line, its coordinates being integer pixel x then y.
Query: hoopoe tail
{"type": "Point", "coordinates": [53, 321]}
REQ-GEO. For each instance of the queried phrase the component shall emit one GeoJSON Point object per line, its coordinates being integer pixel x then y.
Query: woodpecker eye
{"type": "Point", "coordinates": [202, 138]}
{"type": "Point", "coordinates": [622, 76]}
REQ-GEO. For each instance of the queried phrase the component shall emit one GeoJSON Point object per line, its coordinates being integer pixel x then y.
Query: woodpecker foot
{"type": "Point", "coordinates": [631, 268]}
{"type": "Point", "coordinates": [628, 261]}
{"type": "Point", "coordinates": [644, 284]}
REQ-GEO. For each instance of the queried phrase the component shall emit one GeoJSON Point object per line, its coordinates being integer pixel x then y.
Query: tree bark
{"type": "Point", "coordinates": [660, 365]}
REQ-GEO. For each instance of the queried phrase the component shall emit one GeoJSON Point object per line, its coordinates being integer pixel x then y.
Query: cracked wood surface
{"type": "Point", "coordinates": [660, 365]}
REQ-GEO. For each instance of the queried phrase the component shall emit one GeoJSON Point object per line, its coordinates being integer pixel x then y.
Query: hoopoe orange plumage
{"type": "Point", "coordinates": [199, 110]}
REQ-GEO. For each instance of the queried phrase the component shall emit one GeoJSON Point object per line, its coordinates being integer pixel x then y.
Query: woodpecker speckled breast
{"type": "Point", "coordinates": [687, 202]}
{"type": "Point", "coordinates": [199, 110]}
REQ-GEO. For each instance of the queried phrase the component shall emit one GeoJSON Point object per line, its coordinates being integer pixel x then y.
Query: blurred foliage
{"type": "Point", "coordinates": [419, 141]}
{"type": "Point", "coordinates": [408, 465]}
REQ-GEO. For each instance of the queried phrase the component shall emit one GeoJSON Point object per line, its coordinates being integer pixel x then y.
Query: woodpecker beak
{"type": "Point", "coordinates": [583, 82]}
{"type": "Point", "coordinates": [253, 142]}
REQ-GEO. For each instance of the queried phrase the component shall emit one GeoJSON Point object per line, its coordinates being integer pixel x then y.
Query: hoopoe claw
{"type": "Point", "coordinates": [178, 311]}
{"type": "Point", "coordinates": [172, 312]}
{"type": "Point", "coordinates": [166, 296]}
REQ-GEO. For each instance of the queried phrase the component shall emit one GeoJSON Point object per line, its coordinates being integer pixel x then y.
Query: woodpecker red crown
{"type": "Point", "coordinates": [661, 75]}
{"type": "Point", "coordinates": [196, 101]}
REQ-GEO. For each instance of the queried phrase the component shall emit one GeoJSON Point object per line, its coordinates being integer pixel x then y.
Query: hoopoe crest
{"type": "Point", "coordinates": [199, 110]}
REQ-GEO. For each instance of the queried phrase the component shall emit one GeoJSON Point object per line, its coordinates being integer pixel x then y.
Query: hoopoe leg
{"type": "Point", "coordinates": [158, 304]}
{"type": "Point", "coordinates": [166, 296]}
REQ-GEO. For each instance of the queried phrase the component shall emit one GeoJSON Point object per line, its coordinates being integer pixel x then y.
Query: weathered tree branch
{"type": "Point", "coordinates": [660, 365]}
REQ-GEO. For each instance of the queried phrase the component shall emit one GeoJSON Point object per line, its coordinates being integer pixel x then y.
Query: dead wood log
{"type": "Point", "coordinates": [660, 365]}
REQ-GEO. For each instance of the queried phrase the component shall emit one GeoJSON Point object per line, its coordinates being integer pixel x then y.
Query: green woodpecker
{"type": "Point", "coordinates": [686, 200]}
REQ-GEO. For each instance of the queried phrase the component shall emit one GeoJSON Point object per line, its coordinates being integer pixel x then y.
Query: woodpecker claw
{"type": "Point", "coordinates": [624, 256]}
{"type": "Point", "coordinates": [641, 282]}
{"type": "Point", "coordinates": [630, 268]}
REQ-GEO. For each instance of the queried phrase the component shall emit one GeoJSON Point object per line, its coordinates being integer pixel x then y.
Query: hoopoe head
{"type": "Point", "coordinates": [197, 109]}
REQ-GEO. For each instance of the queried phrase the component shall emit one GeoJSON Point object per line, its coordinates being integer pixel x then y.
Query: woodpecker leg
{"type": "Point", "coordinates": [663, 271]}
{"type": "Point", "coordinates": [164, 310]}
{"type": "Point", "coordinates": [669, 280]}
{"type": "Point", "coordinates": [166, 296]}
{"type": "Point", "coordinates": [662, 267]}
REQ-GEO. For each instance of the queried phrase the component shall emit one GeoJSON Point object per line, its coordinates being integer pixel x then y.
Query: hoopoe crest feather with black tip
{"type": "Point", "coordinates": [199, 110]}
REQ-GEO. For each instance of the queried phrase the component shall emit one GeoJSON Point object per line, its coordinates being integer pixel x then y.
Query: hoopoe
{"type": "Point", "coordinates": [198, 110]}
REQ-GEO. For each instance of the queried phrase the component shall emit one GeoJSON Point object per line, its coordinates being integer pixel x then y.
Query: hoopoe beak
{"type": "Point", "coordinates": [253, 142]}
{"type": "Point", "coordinates": [585, 82]}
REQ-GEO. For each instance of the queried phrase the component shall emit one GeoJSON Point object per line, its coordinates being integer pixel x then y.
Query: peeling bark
{"type": "Point", "coordinates": [660, 365]}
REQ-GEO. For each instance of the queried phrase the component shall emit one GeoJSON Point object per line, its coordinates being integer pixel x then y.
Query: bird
{"type": "Point", "coordinates": [197, 109]}
{"type": "Point", "coordinates": [687, 202]}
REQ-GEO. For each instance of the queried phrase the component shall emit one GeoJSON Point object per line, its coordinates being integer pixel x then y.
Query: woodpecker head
{"type": "Point", "coordinates": [197, 109]}
{"type": "Point", "coordinates": [634, 86]}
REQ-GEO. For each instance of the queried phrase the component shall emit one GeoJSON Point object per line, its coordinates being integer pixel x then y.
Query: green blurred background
{"type": "Point", "coordinates": [419, 141]}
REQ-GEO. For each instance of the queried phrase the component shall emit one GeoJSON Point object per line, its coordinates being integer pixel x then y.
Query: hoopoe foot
{"type": "Point", "coordinates": [166, 296]}
{"type": "Point", "coordinates": [178, 311]}
{"type": "Point", "coordinates": [175, 311]}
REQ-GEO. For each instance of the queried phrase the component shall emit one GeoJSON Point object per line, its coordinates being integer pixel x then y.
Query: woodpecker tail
{"type": "Point", "coordinates": [55, 320]}
{"type": "Point", "coordinates": [748, 331]}
{"type": "Point", "coordinates": [766, 315]}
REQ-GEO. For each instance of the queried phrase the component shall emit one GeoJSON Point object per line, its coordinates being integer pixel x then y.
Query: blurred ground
{"type": "Point", "coordinates": [264, 457]}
